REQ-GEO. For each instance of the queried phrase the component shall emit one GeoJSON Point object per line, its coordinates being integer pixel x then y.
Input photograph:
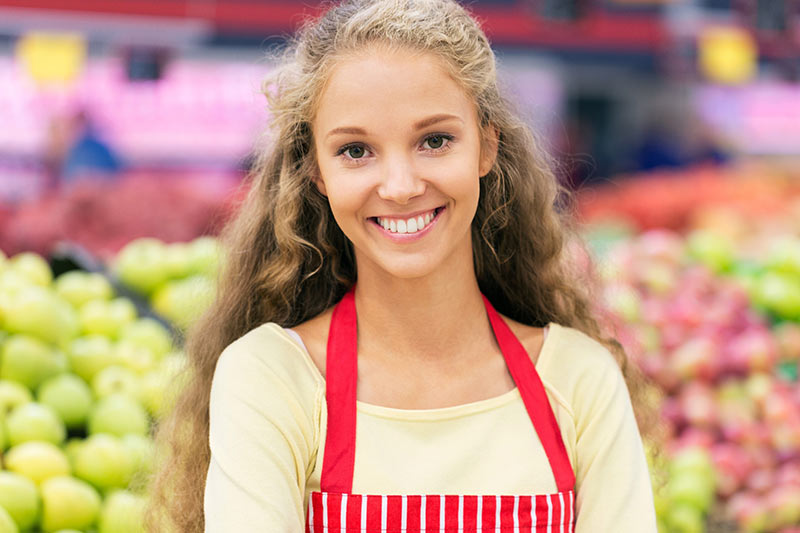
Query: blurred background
{"type": "Point", "coordinates": [127, 129]}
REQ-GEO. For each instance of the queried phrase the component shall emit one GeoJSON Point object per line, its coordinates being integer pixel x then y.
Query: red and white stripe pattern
{"type": "Point", "coordinates": [354, 513]}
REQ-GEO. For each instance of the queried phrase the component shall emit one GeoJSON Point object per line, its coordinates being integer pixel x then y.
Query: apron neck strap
{"type": "Point", "coordinates": [341, 387]}
{"type": "Point", "coordinates": [341, 375]}
{"type": "Point", "coordinates": [530, 386]}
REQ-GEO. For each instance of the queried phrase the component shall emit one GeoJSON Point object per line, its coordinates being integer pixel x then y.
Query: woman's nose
{"type": "Point", "coordinates": [400, 181]}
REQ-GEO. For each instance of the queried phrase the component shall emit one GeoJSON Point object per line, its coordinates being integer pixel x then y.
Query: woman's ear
{"type": "Point", "coordinates": [489, 145]}
{"type": "Point", "coordinates": [316, 178]}
{"type": "Point", "coordinates": [320, 186]}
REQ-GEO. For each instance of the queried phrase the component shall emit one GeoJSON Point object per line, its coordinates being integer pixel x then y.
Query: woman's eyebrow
{"type": "Point", "coordinates": [435, 119]}
{"type": "Point", "coordinates": [424, 123]}
{"type": "Point", "coordinates": [347, 129]}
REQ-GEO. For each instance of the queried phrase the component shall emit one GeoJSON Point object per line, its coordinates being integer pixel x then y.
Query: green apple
{"type": "Point", "coordinates": [694, 460]}
{"type": "Point", "coordinates": [78, 287]}
{"type": "Point", "coordinates": [116, 379]}
{"type": "Point", "coordinates": [29, 361]}
{"type": "Point", "coordinates": [37, 461]}
{"type": "Point", "coordinates": [7, 524]}
{"type": "Point", "coordinates": [68, 502]}
{"type": "Point", "coordinates": [20, 497]}
{"type": "Point", "coordinates": [71, 449]}
{"type": "Point", "coordinates": [106, 317]}
{"type": "Point", "coordinates": [38, 311]}
{"type": "Point", "coordinates": [141, 450]}
{"type": "Point", "coordinates": [11, 282]}
{"type": "Point", "coordinates": [69, 396]}
{"type": "Point", "coordinates": [139, 359]}
{"type": "Point", "coordinates": [685, 519]}
{"type": "Point", "coordinates": [160, 387]}
{"type": "Point", "coordinates": [711, 249]}
{"type": "Point", "coordinates": [33, 267]}
{"type": "Point", "coordinates": [206, 255]}
{"type": "Point", "coordinates": [104, 462]}
{"type": "Point", "coordinates": [34, 422]}
{"type": "Point", "coordinates": [123, 512]}
{"type": "Point", "coordinates": [623, 301]}
{"type": "Point", "coordinates": [692, 490]}
{"type": "Point", "coordinates": [142, 264]}
{"type": "Point", "coordinates": [780, 294]}
{"type": "Point", "coordinates": [183, 301]}
{"type": "Point", "coordinates": [148, 333]}
{"type": "Point", "coordinates": [784, 256]}
{"type": "Point", "coordinates": [89, 355]}
{"type": "Point", "coordinates": [12, 394]}
{"type": "Point", "coordinates": [178, 260]}
{"type": "Point", "coordinates": [154, 388]}
{"type": "Point", "coordinates": [118, 414]}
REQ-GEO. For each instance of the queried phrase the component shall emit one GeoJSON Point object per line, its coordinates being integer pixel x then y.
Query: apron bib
{"type": "Point", "coordinates": [334, 509]}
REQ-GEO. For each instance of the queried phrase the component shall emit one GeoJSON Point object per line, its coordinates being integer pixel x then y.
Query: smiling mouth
{"type": "Point", "coordinates": [408, 225]}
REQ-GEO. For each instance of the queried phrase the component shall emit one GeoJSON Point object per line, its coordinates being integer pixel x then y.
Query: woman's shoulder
{"type": "Point", "coordinates": [572, 346]}
{"type": "Point", "coordinates": [575, 364]}
{"type": "Point", "coordinates": [269, 351]}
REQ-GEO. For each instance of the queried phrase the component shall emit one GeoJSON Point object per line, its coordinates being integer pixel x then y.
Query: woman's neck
{"type": "Point", "coordinates": [429, 320]}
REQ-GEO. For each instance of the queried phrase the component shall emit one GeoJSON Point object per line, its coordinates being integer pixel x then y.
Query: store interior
{"type": "Point", "coordinates": [128, 130]}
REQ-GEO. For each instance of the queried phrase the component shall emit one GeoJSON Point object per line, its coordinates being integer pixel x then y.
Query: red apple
{"type": "Point", "coordinates": [696, 358]}
{"type": "Point", "coordinates": [754, 350]}
{"type": "Point", "coordinates": [697, 401]}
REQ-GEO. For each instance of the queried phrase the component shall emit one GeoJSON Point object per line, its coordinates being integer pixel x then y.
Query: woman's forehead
{"type": "Point", "coordinates": [390, 85]}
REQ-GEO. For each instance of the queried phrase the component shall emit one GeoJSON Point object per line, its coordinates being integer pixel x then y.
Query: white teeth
{"type": "Point", "coordinates": [411, 225]}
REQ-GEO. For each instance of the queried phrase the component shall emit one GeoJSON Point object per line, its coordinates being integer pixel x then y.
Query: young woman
{"type": "Point", "coordinates": [399, 343]}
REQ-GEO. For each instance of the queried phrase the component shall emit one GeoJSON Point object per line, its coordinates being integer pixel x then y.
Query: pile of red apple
{"type": "Point", "coordinates": [671, 198]}
{"type": "Point", "coordinates": [102, 217]}
{"type": "Point", "coordinates": [83, 380]}
{"type": "Point", "coordinates": [727, 367]}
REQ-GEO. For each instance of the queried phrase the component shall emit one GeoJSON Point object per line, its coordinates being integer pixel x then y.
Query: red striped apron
{"type": "Point", "coordinates": [335, 510]}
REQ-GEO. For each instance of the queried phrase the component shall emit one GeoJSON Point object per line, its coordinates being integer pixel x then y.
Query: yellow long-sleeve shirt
{"type": "Point", "coordinates": [268, 420]}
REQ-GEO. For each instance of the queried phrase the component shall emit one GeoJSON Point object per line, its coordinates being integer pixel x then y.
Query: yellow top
{"type": "Point", "coordinates": [268, 420]}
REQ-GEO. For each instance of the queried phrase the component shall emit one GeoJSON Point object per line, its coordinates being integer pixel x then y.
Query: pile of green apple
{"type": "Point", "coordinates": [83, 381]}
{"type": "Point", "coordinates": [684, 487]}
{"type": "Point", "coordinates": [179, 278]}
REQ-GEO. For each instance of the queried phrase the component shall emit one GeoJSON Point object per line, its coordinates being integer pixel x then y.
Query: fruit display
{"type": "Point", "coordinates": [683, 489]}
{"type": "Point", "coordinates": [671, 199]}
{"type": "Point", "coordinates": [711, 314]}
{"type": "Point", "coordinates": [179, 278]}
{"type": "Point", "coordinates": [725, 358]}
{"type": "Point", "coordinates": [103, 216]}
{"type": "Point", "coordinates": [83, 382]}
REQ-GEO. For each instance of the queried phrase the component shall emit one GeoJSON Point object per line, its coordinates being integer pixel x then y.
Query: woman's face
{"type": "Point", "coordinates": [399, 155]}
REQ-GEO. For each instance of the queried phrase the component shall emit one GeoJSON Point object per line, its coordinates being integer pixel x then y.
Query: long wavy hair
{"type": "Point", "coordinates": [287, 261]}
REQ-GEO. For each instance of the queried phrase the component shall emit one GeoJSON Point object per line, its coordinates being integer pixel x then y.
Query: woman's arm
{"type": "Point", "coordinates": [263, 430]}
{"type": "Point", "coordinates": [612, 479]}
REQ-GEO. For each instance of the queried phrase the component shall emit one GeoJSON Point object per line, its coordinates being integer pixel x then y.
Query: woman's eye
{"type": "Point", "coordinates": [355, 151]}
{"type": "Point", "coordinates": [435, 142]}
